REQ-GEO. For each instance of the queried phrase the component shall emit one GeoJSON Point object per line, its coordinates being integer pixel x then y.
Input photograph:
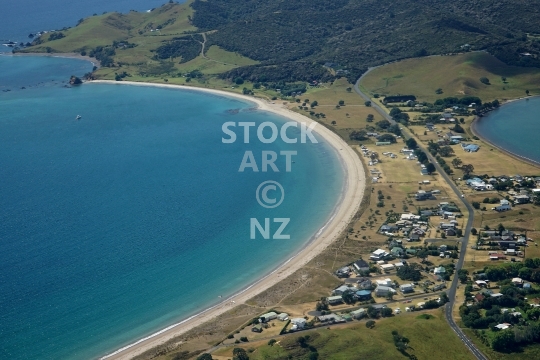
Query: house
{"type": "Point", "coordinates": [410, 217]}
{"type": "Point", "coordinates": [426, 213]}
{"type": "Point", "coordinates": [504, 206]}
{"type": "Point", "coordinates": [378, 254]}
{"type": "Point", "coordinates": [470, 147]}
{"type": "Point", "coordinates": [378, 307]}
{"type": "Point", "coordinates": [439, 270]}
{"type": "Point", "coordinates": [387, 267]}
{"type": "Point", "coordinates": [511, 252]}
{"type": "Point", "coordinates": [503, 326]}
{"type": "Point", "coordinates": [481, 283]}
{"type": "Point", "coordinates": [267, 317]}
{"type": "Point", "coordinates": [421, 305]}
{"type": "Point", "coordinates": [363, 295]}
{"type": "Point", "coordinates": [423, 195]}
{"type": "Point", "coordinates": [443, 248]}
{"type": "Point", "coordinates": [414, 237]}
{"type": "Point", "coordinates": [343, 272]}
{"type": "Point", "coordinates": [385, 282]}
{"type": "Point", "coordinates": [257, 328]}
{"type": "Point", "coordinates": [364, 283]}
{"type": "Point", "coordinates": [283, 317]}
{"type": "Point", "coordinates": [406, 288]}
{"type": "Point", "coordinates": [450, 232]}
{"type": "Point", "coordinates": [495, 257]}
{"type": "Point", "coordinates": [397, 252]}
{"type": "Point", "coordinates": [331, 318]}
{"type": "Point", "coordinates": [361, 265]}
{"type": "Point", "coordinates": [517, 281]}
{"type": "Point", "coordinates": [521, 199]}
{"type": "Point", "coordinates": [399, 265]}
{"type": "Point", "coordinates": [358, 314]}
{"type": "Point", "coordinates": [479, 297]}
{"type": "Point", "coordinates": [333, 300]}
{"type": "Point", "coordinates": [384, 290]}
{"type": "Point", "coordinates": [341, 290]}
{"type": "Point", "coordinates": [527, 285]}
{"type": "Point", "coordinates": [298, 324]}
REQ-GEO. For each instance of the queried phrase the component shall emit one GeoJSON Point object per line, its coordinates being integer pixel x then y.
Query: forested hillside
{"type": "Point", "coordinates": [292, 36]}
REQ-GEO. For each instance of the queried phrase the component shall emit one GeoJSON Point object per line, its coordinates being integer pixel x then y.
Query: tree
{"type": "Point", "coordinates": [422, 254]}
{"type": "Point", "coordinates": [271, 342]}
{"type": "Point", "coordinates": [503, 340]}
{"type": "Point", "coordinates": [463, 275]}
{"type": "Point", "coordinates": [240, 354]}
{"type": "Point", "coordinates": [430, 168]}
{"type": "Point", "coordinates": [370, 118]}
{"type": "Point", "coordinates": [438, 91]}
{"type": "Point", "coordinates": [367, 103]}
{"type": "Point", "coordinates": [313, 104]}
{"type": "Point", "coordinates": [474, 231]}
{"type": "Point", "coordinates": [467, 169]}
{"type": "Point", "coordinates": [358, 135]}
{"type": "Point", "coordinates": [341, 102]}
{"type": "Point", "coordinates": [527, 92]}
{"type": "Point", "coordinates": [457, 128]}
{"type": "Point", "coordinates": [387, 137]}
{"type": "Point", "coordinates": [446, 151]}
{"type": "Point", "coordinates": [383, 124]}
{"type": "Point", "coordinates": [386, 312]}
{"type": "Point", "coordinates": [204, 356]}
{"type": "Point", "coordinates": [444, 298]}
{"type": "Point", "coordinates": [239, 81]}
{"type": "Point", "coordinates": [370, 324]}
{"type": "Point", "coordinates": [334, 122]}
{"type": "Point", "coordinates": [476, 205]}
{"type": "Point", "coordinates": [484, 80]}
{"type": "Point", "coordinates": [456, 162]}
{"type": "Point", "coordinates": [411, 143]}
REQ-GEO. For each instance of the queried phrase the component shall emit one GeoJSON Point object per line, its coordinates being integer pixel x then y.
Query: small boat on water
{"type": "Point", "coordinates": [78, 117]}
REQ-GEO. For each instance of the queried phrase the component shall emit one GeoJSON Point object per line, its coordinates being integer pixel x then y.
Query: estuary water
{"type": "Point", "coordinates": [135, 216]}
{"type": "Point", "coordinates": [514, 127]}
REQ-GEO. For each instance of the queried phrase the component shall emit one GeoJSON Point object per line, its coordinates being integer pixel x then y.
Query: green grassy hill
{"type": "Point", "coordinates": [456, 75]}
{"type": "Point", "coordinates": [302, 40]}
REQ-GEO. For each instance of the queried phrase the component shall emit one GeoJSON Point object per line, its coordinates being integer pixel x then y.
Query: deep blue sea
{"type": "Point", "coordinates": [514, 127]}
{"type": "Point", "coordinates": [19, 18]}
{"type": "Point", "coordinates": [135, 216]}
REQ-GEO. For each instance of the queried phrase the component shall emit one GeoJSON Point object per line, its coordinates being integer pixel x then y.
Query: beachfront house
{"type": "Point", "coordinates": [298, 324]}
{"type": "Point", "coordinates": [267, 317]}
{"type": "Point", "coordinates": [330, 318]}
{"type": "Point", "coordinates": [334, 300]}
{"type": "Point", "coordinates": [361, 265]}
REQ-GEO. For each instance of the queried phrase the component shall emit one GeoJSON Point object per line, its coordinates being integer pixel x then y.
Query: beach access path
{"type": "Point", "coordinates": [353, 192]}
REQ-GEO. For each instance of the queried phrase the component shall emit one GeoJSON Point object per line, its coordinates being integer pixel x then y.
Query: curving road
{"type": "Point", "coordinates": [464, 241]}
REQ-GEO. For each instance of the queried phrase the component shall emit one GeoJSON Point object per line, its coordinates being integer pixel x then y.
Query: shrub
{"type": "Point", "coordinates": [370, 324]}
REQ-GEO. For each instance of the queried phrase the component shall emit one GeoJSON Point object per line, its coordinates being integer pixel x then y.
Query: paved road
{"type": "Point", "coordinates": [464, 241]}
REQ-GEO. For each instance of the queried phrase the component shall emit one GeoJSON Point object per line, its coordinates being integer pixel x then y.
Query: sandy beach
{"type": "Point", "coordinates": [355, 183]}
{"type": "Point", "coordinates": [94, 61]}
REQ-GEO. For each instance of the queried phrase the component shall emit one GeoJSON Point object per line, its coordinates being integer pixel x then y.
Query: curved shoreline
{"type": "Point", "coordinates": [346, 208]}
{"type": "Point", "coordinates": [475, 132]}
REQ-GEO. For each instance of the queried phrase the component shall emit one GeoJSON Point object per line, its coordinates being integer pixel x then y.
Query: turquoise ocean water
{"type": "Point", "coordinates": [134, 217]}
{"type": "Point", "coordinates": [514, 127]}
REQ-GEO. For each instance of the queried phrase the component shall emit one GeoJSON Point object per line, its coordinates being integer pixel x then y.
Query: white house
{"type": "Point", "coordinates": [384, 290]}
{"type": "Point", "coordinates": [406, 288]}
{"type": "Point", "coordinates": [378, 254]}
{"type": "Point", "coordinates": [267, 317]}
{"type": "Point", "coordinates": [298, 324]}
{"type": "Point", "coordinates": [387, 267]}
{"type": "Point", "coordinates": [358, 314]}
{"type": "Point", "coordinates": [439, 270]}
{"type": "Point", "coordinates": [385, 282]}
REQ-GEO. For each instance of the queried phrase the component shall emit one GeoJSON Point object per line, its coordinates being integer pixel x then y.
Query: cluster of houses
{"type": "Point", "coordinates": [410, 226]}
{"type": "Point", "coordinates": [508, 242]}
